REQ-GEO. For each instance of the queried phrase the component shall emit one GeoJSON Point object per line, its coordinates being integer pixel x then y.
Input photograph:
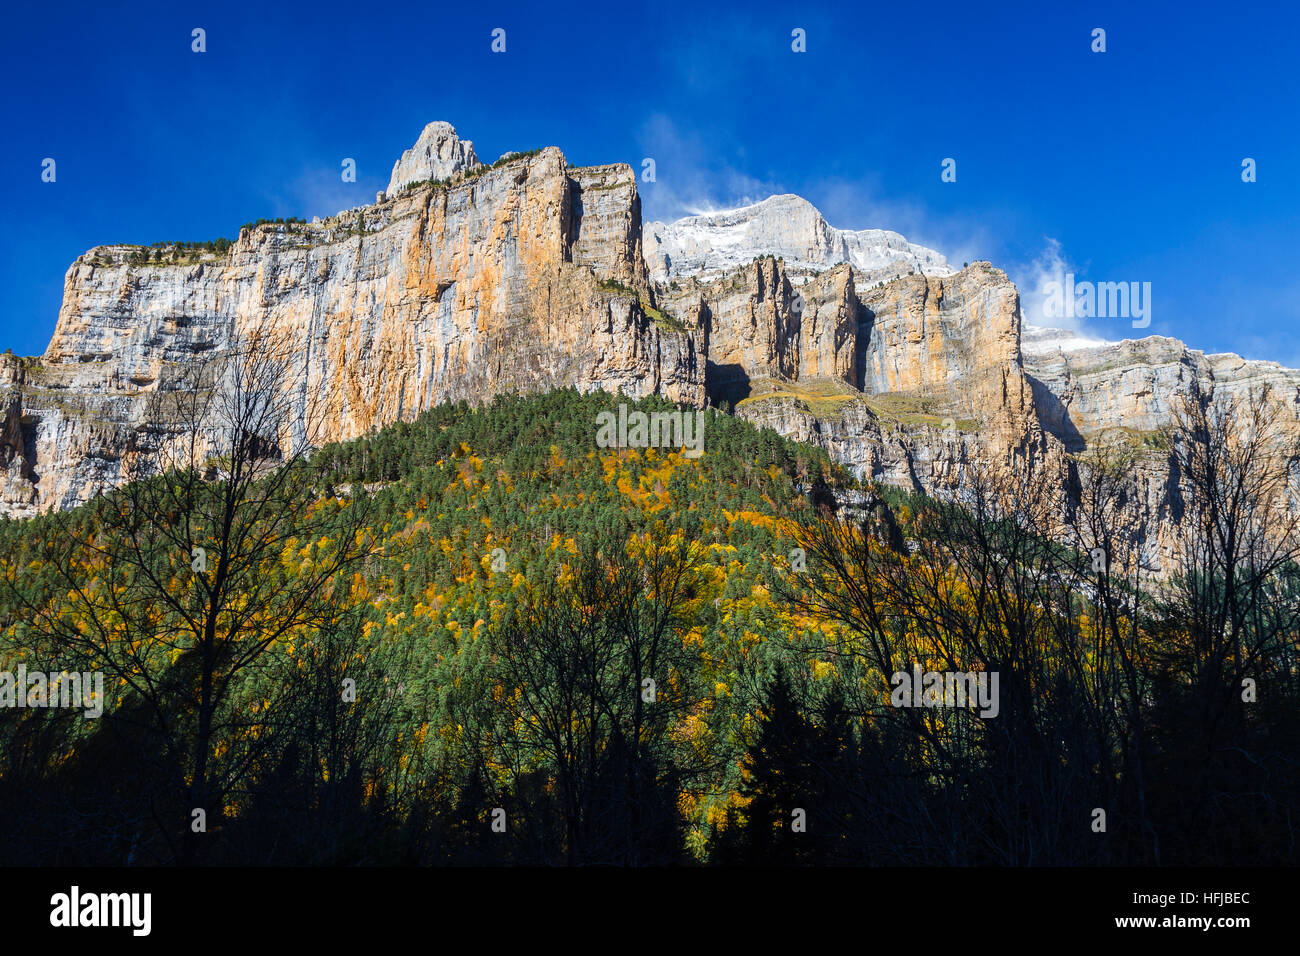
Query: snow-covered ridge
{"type": "Point", "coordinates": [787, 226]}
{"type": "Point", "coordinates": [1037, 340]}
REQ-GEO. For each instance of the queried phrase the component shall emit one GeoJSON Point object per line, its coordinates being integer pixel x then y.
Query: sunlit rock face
{"type": "Point", "coordinates": [438, 154]}
{"type": "Point", "coordinates": [522, 278]}
{"type": "Point", "coordinates": [464, 281]}
{"type": "Point", "coordinates": [788, 227]}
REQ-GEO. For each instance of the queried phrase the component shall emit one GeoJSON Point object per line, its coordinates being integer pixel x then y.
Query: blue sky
{"type": "Point", "coordinates": [1123, 165]}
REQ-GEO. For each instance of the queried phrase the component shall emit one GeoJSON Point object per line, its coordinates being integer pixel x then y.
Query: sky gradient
{"type": "Point", "coordinates": [1117, 166]}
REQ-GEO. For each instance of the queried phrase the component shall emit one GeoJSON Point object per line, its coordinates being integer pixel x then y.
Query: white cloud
{"type": "Point", "coordinates": [691, 178]}
{"type": "Point", "coordinates": [856, 204]}
{"type": "Point", "coordinates": [320, 191]}
{"type": "Point", "coordinates": [1033, 280]}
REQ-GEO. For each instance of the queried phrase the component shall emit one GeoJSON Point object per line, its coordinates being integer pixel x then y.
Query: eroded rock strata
{"type": "Point", "coordinates": [465, 281]}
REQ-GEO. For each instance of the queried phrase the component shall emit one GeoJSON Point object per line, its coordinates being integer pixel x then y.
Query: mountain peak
{"type": "Point", "coordinates": [786, 225]}
{"type": "Point", "coordinates": [783, 202]}
{"type": "Point", "coordinates": [438, 154]}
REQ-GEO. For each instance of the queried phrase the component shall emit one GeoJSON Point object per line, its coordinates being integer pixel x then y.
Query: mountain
{"type": "Point", "coordinates": [1089, 388]}
{"type": "Point", "coordinates": [458, 604]}
{"type": "Point", "coordinates": [438, 154]}
{"type": "Point", "coordinates": [508, 280]}
{"type": "Point", "coordinates": [789, 227]}
{"type": "Point", "coordinates": [465, 280]}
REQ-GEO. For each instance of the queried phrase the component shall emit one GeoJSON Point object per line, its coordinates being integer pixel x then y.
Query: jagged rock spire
{"type": "Point", "coordinates": [437, 154]}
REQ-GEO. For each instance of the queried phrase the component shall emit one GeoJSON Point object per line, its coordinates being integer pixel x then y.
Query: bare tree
{"type": "Point", "coordinates": [598, 666]}
{"type": "Point", "coordinates": [1238, 541]}
{"type": "Point", "coordinates": [979, 583]}
{"type": "Point", "coordinates": [222, 544]}
{"type": "Point", "coordinates": [1105, 638]}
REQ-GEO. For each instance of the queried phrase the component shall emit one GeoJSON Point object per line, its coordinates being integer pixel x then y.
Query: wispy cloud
{"type": "Point", "coordinates": [320, 191]}
{"type": "Point", "coordinates": [692, 178]}
{"type": "Point", "coordinates": [1034, 280]}
{"type": "Point", "coordinates": [1281, 349]}
{"type": "Point", "coordinates": [858, 203]}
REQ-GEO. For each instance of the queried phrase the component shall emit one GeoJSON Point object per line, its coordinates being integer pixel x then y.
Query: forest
{"type": "Point", "coordinates": [479, 638]}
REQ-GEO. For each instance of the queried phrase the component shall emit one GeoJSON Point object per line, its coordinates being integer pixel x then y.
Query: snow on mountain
{"type": "Point", "coordinates": [787, 226]}
{"type": "Point", "coordinates": [1037, 340]}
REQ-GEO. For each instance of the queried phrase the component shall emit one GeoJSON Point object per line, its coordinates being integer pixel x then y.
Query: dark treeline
{"type": "Point", "coordinates": [476, 638]}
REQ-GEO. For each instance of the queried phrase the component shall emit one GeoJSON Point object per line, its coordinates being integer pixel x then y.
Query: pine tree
{"type": "Point", "coordinates": [790, 768]}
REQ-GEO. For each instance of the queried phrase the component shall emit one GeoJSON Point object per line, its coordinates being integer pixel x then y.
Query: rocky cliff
{"type": "Point", "coordinates": [788, 227]}
{"type": "Point", "coordinates": [523, 277]}
{"type": "Point", "coordinates": [465, 280]}
{"type": "Point", "coordinates": [438, 154]}
{"type": "Point", "coordinates": [1088, 390]}
{"type": "Point", "coordinates": [907, 381]}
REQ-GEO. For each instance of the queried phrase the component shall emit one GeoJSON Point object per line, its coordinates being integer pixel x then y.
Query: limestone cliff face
{"type": "Point", "coordinates": [953, 335]}
{"type": "Point", "coordinates": [857, 341]}
{"type": "Point", "coordinates": [789, 227]}
{"type": "Point", "coordinates": [604, 228]}
{"type": "Point", "coordinates": [466, 281]}
{"type": "Point", "coordinates": [918, 457]}
{"type": "Point", "coordinates": [1087, 392]}
{"type": "Point", "coordinates": [438, 154]}
{"type": "Point", "coordinates": [909, 381]}
{"type": "Point", "coordinates": [1127, 393]}
{"type": "Point", "coordinates": [758, 323]}
{"type": "Point", "coordinates": [498, 282]}
{"type": "Point", "coordinates": [17, 479]}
